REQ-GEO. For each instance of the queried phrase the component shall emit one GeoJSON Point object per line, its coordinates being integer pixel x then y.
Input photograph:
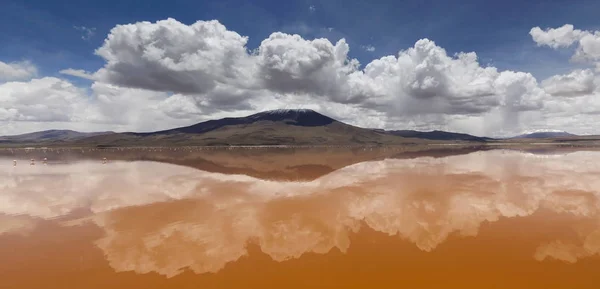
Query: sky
{"type": "Point", "coordinates": [490, 68]}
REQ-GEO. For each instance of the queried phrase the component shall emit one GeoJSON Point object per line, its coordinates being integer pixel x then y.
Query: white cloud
{"type": "Point", "coordinates": [17, 71]}
{"type": "Point", "coordinates": [576, 103]}
{"type": "Point", "coordinates": [126, 106]}
{"type": "Point", "coordinates": [556, 37]}
{"type": "Point", "coordinates": [425, 80]}
{"type": "Point", "coordinates": [179, 107]}
{"type": "Point", "coordinates": [588, 42]}
{"type": "Point", "coordinates": [53, 103]}
{"type": "Point", "coordinates": [203, 70]}
{"type": "Point", "coordinates": [578, 82]}
{"type": "Point", "coordinates": [212, 66]}
{"type": "Point", "coordinates": [312, 8]}
{"type": "Point", "coordinates": [369, 48]}
{"type": "Point", "coordinates": [589, 47]}
{"type": "Point", "coordinates": [205, 58]}
{"type": "Point", "coordinates": [290, 64]}
{"type": "Point", "coordinates": [47, 99]}
{"type": "Point", "coordinates": [171, 56]}
{"type": "Point", "coordinates": [87, 32]}
{"type": "Point", "coordinates": [78, 73]}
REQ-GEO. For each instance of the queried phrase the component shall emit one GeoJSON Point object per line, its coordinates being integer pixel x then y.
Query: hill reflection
{"type": "Point", "coordinates": [166, 218]}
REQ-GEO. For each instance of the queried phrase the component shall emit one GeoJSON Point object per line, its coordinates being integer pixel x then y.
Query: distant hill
{"type": "Point", "coordinates": [50, 136]}
{"type": "Point", "coordinates": [294, 117]}
{"type": "Point", "coordinates": [546, 134]}
{"type": "Point", "coordinates": [438, 135]}
{"type": "Point", "coordinates": [275, 127]}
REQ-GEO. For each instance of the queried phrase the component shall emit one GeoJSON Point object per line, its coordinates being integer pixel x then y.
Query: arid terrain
{"type": "Point", "coordinates": [304, 128]}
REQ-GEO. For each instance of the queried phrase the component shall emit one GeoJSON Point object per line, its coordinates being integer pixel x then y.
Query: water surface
{"type": "Point", "coordinates": [483, 219]}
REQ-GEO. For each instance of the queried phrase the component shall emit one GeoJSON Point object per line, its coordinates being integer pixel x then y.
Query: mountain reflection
{"type": "Point", "coordinates": [166, 218]}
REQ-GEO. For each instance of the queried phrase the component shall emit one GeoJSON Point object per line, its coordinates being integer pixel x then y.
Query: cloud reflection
{"type": "Point", "coordinates": [16, 225]}
{"type": "Point", "coordinates": [165, 218]}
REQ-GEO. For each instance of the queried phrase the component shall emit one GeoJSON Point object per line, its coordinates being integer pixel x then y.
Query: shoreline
{"type": "Point", "coordinates": [404, 145]}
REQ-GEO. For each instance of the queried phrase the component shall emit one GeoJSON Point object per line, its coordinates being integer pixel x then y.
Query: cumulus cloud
{"type": "Point", "coordinates": [194, 72]}
{"type": "Point", "coordinates": [290, 64]}
{"type": "Point", "coordinates": [576, 83]}
{"type": "Point", "coordinates": [205, 59]}
{"type": "Point", "coordinates": [588, 42]}
{"type": "Point", "coordinates": [46, 99]}
{"type": "Point", "coordinates": [180, 107]}
{"type": "Point", "coordinates": [425, 80]}
{"type": "Point", "coordinates": [127, 109]}
{"type": "Point", "coordinates": [589, 47]}
{"type": "Point", "coordinates": [556, 37]}
{"type": "Point", "coordinates": [53, 103]}
{"type": "Point", "coordinates": [171, 56]}
{"type": "Point", "coordinates": [17, 71]}
{"type": "Point", "coordinates": [575, 103]}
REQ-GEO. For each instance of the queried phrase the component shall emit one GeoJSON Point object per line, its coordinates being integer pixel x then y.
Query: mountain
{"type": "Point", "coordinates": [294, 117]}
{"type": "Point", "coordinates": [438, 135]}
{"type": "Point", "coordinates": [50, 136]}
{"type": "Point", "coordinates": [275, 127]}
{"type": "Point", "coordinates": [546, 134]}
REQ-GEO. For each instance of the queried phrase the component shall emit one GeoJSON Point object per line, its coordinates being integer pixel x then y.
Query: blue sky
{"type": "Point", "coordinates": [193, 70]}
{"type": "Point", "coordinates": [43, 31]}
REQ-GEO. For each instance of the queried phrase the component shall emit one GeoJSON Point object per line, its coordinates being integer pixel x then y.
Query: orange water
{"type": "Point", "coordinates": [493, 219]}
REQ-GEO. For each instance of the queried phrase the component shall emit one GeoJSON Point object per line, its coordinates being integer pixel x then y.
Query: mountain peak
{"type": "Point", "coordinates": [287, 111]}
{"type": "Point", "coordinates": [299, 117]}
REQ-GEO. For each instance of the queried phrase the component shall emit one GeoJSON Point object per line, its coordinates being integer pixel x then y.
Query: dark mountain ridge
{"type": "Point", "coordinates": [51, 135]}
{"type": "Point", "coordinates": [439, 135]}
{"type": "Point", "coordinates": [274, 127]}
{"type": "Point", "coordinates": [546, 134]}
{"type": "Point", "coordinates": [296, 117]}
